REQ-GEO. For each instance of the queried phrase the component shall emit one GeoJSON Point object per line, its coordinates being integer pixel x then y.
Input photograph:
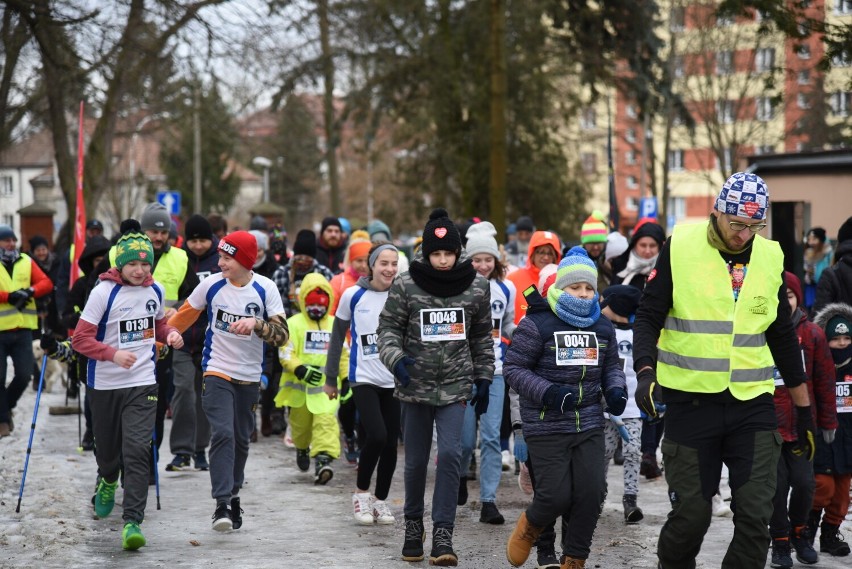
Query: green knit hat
{"type": "Point", "coordinates": [133, 247]}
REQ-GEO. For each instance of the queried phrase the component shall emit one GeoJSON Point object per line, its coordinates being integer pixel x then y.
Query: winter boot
{"type": "Point", "coordinates": [813, 524]}
{"type": "Point", "coordinates": [462, 497]}
{"type": "Point", "coordinates": [303, 459]}
{"type": "Point", "coordinates": [131, 537]}
{"type": "Point", "coordinates": [649, 461]}
{"type": "Point", "coordinates": [490, 514]}
{"type": "Point", "coordinates": [547, 558]}
{"type": "Point", "coordinates": [572, 563]}
{"type": "Point", "coordinates": [618, 456]}
{"type": "Point", "coordinates": [781, 558]}
{"type": "Point", "coordinates": [632, 512]}
{"type": "Point", "coordinates": [442, 553]}
{"type": "Point", "coordinates": [265, 425]}
{"type": "Point", "coordinates": [521, 541]}
{"type": "Point", "coordinates": [322, 469]}
{"type": "Point", "coordinates": [412, 548]}
{"type": "Point", "coordinates": [831, 540]}
{"type": "Point", "coordinates": [801, 542]}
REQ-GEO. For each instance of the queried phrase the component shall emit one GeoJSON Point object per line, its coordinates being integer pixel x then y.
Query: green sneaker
{"type": "Point", "coordinates": [132, 538]}
{"type": "Point", "coordinates": [105, 498]}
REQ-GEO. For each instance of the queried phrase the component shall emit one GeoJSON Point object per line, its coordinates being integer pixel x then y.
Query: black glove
{"type": "Point", "coordinates": [648, 391]}
{"type": "Point", "coordinates": [20, 297]}
{"type": "Point", "coordinates": [805, 445]}
{"type": "Point", "coordinates": [400, 370]}
{"type": "Point", "coordinates": [344, 388]}
{"type": "Point", "coordinates": [311, 375]}
{"type": "Point", "coordinates": [48, 343]}
{"type": "Point", "coordinates": [560, 397]}
{"type": "Point", "coordinates": [616, 401]}
{"type": "Point", "coordinates": [480, 400]}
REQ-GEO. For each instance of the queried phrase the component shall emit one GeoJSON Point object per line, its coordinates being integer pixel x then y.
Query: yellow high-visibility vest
{"type": "Point", "coordinates": [710, 342]}
{"type": "Point", "coordinates": [11, 317]}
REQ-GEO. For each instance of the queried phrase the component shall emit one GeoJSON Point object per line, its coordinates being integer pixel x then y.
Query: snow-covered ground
{"type": "Point", "coordinates": [288, 522]}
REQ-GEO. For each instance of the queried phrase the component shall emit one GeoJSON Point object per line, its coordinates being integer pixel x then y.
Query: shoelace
{"type": "Point", "coordinates": [108, 490]}
{"type": "Point", "coordinates": [413, 530]}
{"type": "Point", "coordinates": [362, 504]}
{"type": "Point", "coordinates": [443, 538]}
{"type": "Point", "coordinates": [381, 509]}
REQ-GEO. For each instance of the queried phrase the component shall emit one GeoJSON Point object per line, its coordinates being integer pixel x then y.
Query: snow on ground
{"type": "Point", "coordinates": [288, 522]}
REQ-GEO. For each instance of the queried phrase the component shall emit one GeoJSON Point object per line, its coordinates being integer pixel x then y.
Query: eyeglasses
{"type": "Point", "coordinates": [754, 227]}
{"type": "Point", "coordinates": [544, 251]}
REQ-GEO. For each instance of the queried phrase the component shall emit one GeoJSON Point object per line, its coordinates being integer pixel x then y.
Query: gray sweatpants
{"type": "Point", "coordinates": [230, 410]}
{"type": "Point", "coordinates": [417, 421]}
{"type": "Point", "coordinates": [123, 422]}
{"type": "Point", "coordinates": [190, 428]}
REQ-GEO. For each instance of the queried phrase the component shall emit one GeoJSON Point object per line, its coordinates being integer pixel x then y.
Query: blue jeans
{"type": "Point", "coordinates": [19, 345]}
{"type": "Point", "coordinates": [490, 463]}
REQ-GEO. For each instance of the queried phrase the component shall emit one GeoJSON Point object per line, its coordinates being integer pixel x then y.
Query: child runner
{"type": "Point", "coordinates": [833, 459]}
{"type": "Point", "coordinates": [483, 250]}
{"type": "Point", "coordinates": [795, 479]}
{"type": "Point", "coordinates": [372, 383]}
{"type": "Point", "coordinates": [619, 305]}
{"type": "Point", "coordinates": [244, 310]}
{"type": "Point", "coordinates": [563, 359]}
{"type": "Point", "coordinates": [313, 414]}
{"type": "Point", "coordinates": [120, 323]}
{"type": "Point", "coordinates": [435, 334]}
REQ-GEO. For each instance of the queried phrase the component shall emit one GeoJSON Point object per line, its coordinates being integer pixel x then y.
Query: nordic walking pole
{"type": "Point", "coordinates": [32, 431]}
{"type": "Point", "coordinates": [79, 419]}
{"type": "Point", "coordinates": [156, 470]}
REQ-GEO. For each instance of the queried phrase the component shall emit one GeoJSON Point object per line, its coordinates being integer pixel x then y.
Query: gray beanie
{"type": "Point", "coordinates": [481, 238]}
{"type": "Point", "coordinates": [262, 238]}
{"type": "Point", "coordinates": [155, 216]}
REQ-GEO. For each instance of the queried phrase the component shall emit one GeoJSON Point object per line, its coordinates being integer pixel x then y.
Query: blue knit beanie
{"type": "Point", "coordinates": [576, 267]}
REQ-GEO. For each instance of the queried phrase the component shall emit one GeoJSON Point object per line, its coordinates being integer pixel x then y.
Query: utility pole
{"type": "Point", "coordinates": [196, 152]}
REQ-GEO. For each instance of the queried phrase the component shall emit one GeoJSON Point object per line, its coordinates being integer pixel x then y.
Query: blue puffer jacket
{"type": "Point", "coordinates": [530, 368]}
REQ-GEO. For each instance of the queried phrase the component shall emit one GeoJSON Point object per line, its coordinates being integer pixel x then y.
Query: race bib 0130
{"type": "Point", "coordinates": [135, 332]}
{"type": "Point", "coordinates": [576, 348]}
{"type": "Point", "coordinates": [442, 324]}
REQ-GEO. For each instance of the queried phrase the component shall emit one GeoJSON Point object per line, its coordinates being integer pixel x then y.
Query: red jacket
{"type": "Point", "coordinates": [819, 368]}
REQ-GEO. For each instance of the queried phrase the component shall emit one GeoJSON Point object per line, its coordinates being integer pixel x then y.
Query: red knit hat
{"type": "Point", "coordinates": [242, 246]}
{"type": "Point", "coordinates": [317, 297]}
{"type": "Point", "coordinates": [793, 283]}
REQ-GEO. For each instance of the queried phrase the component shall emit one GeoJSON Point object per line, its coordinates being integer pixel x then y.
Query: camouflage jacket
{"type": "Point", "coordinates": [444, 371]}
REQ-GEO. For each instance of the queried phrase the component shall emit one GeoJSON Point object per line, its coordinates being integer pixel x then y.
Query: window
{"type": "Point", "coordinates": [841, 103]}
{"type": "Point", "coordinates": [631, 135]}
{"type": "Point", "coordinates": [802, 101]}
{"type": "Point", "coordinates": [843, 7]}
{"type": "Point", "coordinates": [678, 19]}
{"type": "Point", "coordinates": [675, 160]}
{"type": "Point", "coordinates": [804, 51]}
{"type": "Point", "coordinates": [764, 149]}
{"type": "Point", "coordinates": [728, 160]}
{"type": "Point", "coordinates": [724, 63]}
{"type": "Point", "coordinates": [589, 161]}
{"type": "Point", "coordinates": [764, 59]}
{"type": "Point", "coordinates": [6, 187]}
{"type": "Point", "coordinates": [632, 183]}
{"type": "Point", "coordinates": [677, 207]}
{"type": "Point", "coordinates": [764, 111]}
{"type": "Point", "coordinates": [8, 219]}
{"type": "Point", "coordinates": [842, 59]}
{"type": "Point", "coordinates": [804, 77]}
{"type": "Point", "coordinates": [630, 158]}
{"type": "Point", "coordinates": [630, 111]}
{"type": "Point", "coordinates": [588, 120]}
{"type": "Point", "coordinates": [677, 64]}
{"type": "Point", "coordinates": [725, 112]}
{"type": "Point", "coordinates": [631, 204]}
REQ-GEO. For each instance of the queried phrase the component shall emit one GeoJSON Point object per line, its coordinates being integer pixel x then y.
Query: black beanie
{"type": "Point", "coordinates": [306, 243]}
{"type": "Point", "coordinates": [440, 234]}
{"type": "Point", "coordinates": [330, 220]}
{"type": "Point", "coordinates": [845, 232]}
{"type": "Point", "coordinates": [36, 241]}
{"type": "Point", "coordinates": [622, 299]}
{"type": "Point", "coordinates": [197, 227]}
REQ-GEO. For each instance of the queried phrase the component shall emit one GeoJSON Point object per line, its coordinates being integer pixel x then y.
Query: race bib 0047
{"type": "Point", "coordinates": [576, 348]}
{"type": "Point", "coordinates": [442, 324]}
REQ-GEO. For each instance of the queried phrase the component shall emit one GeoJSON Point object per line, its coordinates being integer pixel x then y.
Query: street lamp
{"type": "Point", "coordinates": [266, 164]}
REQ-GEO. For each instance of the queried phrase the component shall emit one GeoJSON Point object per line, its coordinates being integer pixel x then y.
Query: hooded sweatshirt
{"type": "Point", "coordinates": [523, 278]}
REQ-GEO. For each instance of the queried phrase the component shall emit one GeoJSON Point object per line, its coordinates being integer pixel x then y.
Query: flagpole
{"type": "Point", "coordinates": [80, 207]}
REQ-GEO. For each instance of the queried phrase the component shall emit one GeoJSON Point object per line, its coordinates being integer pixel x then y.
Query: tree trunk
{"type": "Point", "coordinates": [331, 139]}
{"type": "Point", "coordinates": [497, 153]}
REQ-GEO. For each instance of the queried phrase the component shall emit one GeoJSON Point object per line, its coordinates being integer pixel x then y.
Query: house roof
{"type": "Point", "coordinates": [34, 151]}
{"type": "Point", "coordinates": [823, 160]}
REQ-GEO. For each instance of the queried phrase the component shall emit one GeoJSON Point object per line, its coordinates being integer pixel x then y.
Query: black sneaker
{"type": "Point", "coordinates": [201, 461]}
{"type": "Point", "coordinates": [303, 459]}
{"type": "Point", "coordinates": [352, 452]}
{"type": "Point", "coordinates": [546, 557]}
{"type": "Point", "coordinates": [632, 513]}
{"type": "Point", "coordinates": [222, 517]}
{"type": "Point", "coordinates": [415, 533]}
{"type": "Point", "coordinates": [179, 462]}
{"type": "Point", "coordinates": [442, 553]}
{"type": "Point", "coordinates": [490, 514]}
{"type": "Point", "coordinates": [88, 442]}
{"type": "Point", "coordinates": [236, 513]}
{"type": "Point", "coordinates": [781, 558]}
{"type": "Point", "coordinates": [322, 470]}
{"type": "Point", "coordinates": [800, 540]}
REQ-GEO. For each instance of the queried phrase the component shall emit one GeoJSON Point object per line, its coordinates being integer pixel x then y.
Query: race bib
{"type": "Point", "coordinates": [202, 275]}
{"type": "Point", "coordinates": [316, 342]}
{"type": "Point", "coordinates": [496, 328]}
{"type": "Point", "coordinates": [223, 321]}
{"type": "Point", "coordinates": [442, 324]}
{"type": "Point", "coordinates": [843, 390]}
{"type": "Point", "coordinates": [776, 376]}
{"type": "Point", "coordinates": [369, 346]}
{"type": "Point", "coordinates": [576, 348]}
{"type": "Point", "coordinates": [135, 332]}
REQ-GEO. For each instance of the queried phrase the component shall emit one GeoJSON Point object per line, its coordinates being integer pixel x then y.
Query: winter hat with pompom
{"type": "Point", "coordinates": [440, 234]}
{"type": "Point", "coordinates": [576, 267]}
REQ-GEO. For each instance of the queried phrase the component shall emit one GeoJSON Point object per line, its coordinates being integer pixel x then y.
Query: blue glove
{"type": "Point", "coordinates": [616, 401]}
{"type": "Point", "coordinates": [560, 397]}
{"type": "Point", "coordinates": [521, 453]}
{"type": "Point", "coordinates": [660, 409]}
{"type": "Point", "coordinates": [619, 424]}
{"type": "Point", "coordinates": [400, 370]}
{"type": "Point", "coordinates": [264, 381]}
{"type": "Point", "coordinates": [480, 400]}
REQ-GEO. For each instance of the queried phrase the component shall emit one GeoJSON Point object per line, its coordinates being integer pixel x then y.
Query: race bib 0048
{"type": "Point", "coordinates": [442, 324]}
{"type": "Point", "coordinates": [316, 342]}
{"type": "Point", "coordinates": [576, 348]}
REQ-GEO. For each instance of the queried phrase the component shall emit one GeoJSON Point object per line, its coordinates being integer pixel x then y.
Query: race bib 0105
{"type": "Point", "coordinates": [843, 389]}
{"type": "Point", "coordinates": [442, 324]}
{"type": "Point", "coordinates": [576, 348]}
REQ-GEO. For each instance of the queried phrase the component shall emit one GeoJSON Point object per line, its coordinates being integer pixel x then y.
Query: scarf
{"type": "Point", "coordinates": [572, 310]}
{"type": "Point", "coordinates": [636, 265]}
{"type": "Point", "coordinates": [716, 240]}
{"type": "Point", "coordinates": [9, 257]}
{"type": "Point", "coordinates": [841, 356]}
{"type": "Point", "coordinates": [442, 283]}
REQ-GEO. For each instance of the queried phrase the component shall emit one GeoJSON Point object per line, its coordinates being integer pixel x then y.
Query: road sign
{"type": "Point", "coordinates": [171, 200]}
{"type": "Point", "coordinates": [648, 208]}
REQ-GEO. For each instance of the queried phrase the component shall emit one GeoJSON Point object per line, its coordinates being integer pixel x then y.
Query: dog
{"type": "Point", "coordinates": [56, 371]}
